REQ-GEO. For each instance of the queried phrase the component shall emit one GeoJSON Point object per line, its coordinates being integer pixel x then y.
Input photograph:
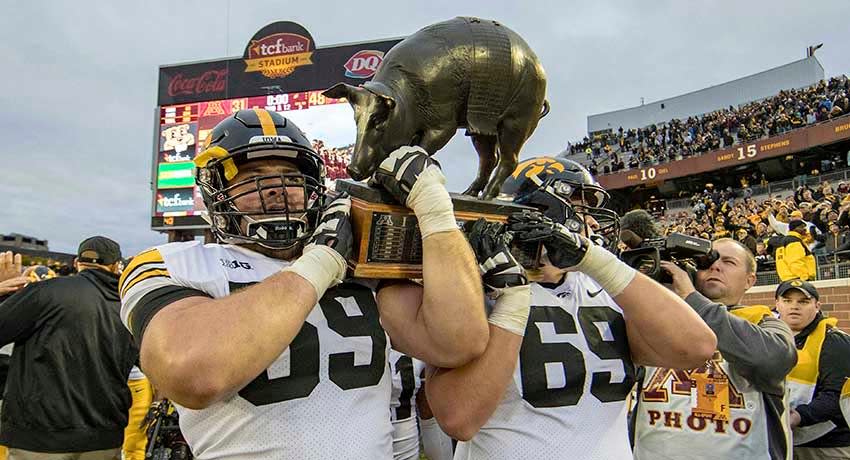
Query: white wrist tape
{"type": "Point", "coordinates": [321, 266]}
{"type": "Point", "coordinates": [431, 203]}
{"type": "Point", "coordinates": [612, 274]}
{"type": "Point", "coordinates": [511, 309]}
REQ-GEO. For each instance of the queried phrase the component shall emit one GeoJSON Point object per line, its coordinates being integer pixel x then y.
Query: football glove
{"type": "Point", "coordinates": [323, 262]}
{"type": "Point", "coordinates": [565, 249]}
{"type": "Point", "coordinates": [499, 268]}
{"type": "Point", "coordinates": [415, 180]}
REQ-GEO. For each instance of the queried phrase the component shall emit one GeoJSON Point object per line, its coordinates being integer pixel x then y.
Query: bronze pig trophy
{"type": "Point", "coordinates": [462, 73]}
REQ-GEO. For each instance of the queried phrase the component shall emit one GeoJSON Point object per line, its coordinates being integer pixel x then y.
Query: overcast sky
{"type": "Point", "coordinates": [79, 80]}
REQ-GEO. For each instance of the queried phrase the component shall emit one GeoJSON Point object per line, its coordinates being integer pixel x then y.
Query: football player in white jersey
{"type": "Point", "coordinates": [266, 350]}
{"type": "Point", "coordinates": [406, 409]}
{"type": "Point", "coordinates": [406, 381]}
{"type": "Point", "coordinates": [556, 387]}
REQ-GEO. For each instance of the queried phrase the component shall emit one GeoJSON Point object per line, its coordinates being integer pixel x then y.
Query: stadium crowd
{"type": "Point", "coordinates": [336, 159]}
{"type": "Point", "coordinates": [618, 150]}
{"type": "Point", "coordinates": [760, 223]}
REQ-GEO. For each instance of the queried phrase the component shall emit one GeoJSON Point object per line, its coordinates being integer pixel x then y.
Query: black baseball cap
{"type": "Point", "coordinates": [796, 223]}
{"type": "Point", "coordinates": [99, 250]}
{"type": "Point", "coordinates": [803, 286]}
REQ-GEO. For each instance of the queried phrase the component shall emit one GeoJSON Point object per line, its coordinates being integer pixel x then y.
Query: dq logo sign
{"type": "Point", "coordinates": [363, 64]}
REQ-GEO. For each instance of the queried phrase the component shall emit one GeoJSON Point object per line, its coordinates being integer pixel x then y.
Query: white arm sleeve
{"type": "Point", "coordinates": [436, 444]}
{"type": "Point", "coordinates": [777, 226]}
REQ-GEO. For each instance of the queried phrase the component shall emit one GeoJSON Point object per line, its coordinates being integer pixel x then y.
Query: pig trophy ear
{"type": "Point", "coordinates": [382, 91]}
{"type": "Point", "coordinates": [346, 91]}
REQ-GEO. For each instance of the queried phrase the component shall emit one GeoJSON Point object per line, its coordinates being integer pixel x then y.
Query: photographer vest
{"type": "Point", "coordinates": [710, 412]}
{"type": "Point", "coordinates": [803, 379]}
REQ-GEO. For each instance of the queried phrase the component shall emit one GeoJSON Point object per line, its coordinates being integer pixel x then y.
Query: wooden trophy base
{"type": "Point", "coordinates": [387, 242]}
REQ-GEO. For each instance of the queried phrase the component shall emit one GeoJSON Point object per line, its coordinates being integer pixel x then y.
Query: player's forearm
{"type": "Point", "coordinates": [210, 349]}
{"type": "Point", "coordinates": [452, 301]}
{"type": "Point", "coordinates": [672, 333]}
{"type": "Point", "coordinates": [463, 399]}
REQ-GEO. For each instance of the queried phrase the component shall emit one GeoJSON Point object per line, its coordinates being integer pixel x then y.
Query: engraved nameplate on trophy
{"type": "Point", "coordinates": [387, 242]}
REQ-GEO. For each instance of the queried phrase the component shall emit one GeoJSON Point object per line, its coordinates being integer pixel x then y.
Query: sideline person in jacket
{"type": "Point", "coordinates": [820, 431]}
{"type": "Point", "coordinates": [66, 393]}
{"type": "Point", "coordinates": [794, 260]}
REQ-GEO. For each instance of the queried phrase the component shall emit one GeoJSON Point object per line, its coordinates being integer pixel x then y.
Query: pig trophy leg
{"type": "Point", "coordinates": [433, 140]}
{"type": "Point", "coordinates": [486, 148]}
{"type": "Point", "coordinates": [511, 139]}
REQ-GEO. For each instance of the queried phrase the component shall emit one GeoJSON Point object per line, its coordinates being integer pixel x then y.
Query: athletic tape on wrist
{"type": "Point", "coordinates": [511, 309]}
{"type": "Point", "coordinates": [431, 203]}
{"type": "Point", "coordinates": [321, 266]}
{"type": "Point", "coordinates": [612, 274]}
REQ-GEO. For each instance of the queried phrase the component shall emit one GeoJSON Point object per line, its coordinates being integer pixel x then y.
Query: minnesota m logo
{"type": "Point", "coordinates": [682, 381]}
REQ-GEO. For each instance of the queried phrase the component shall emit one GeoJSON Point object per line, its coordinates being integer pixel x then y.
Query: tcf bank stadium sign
{"type": "Point", "coordinates": [282, 57]}
{"type": "Point", "coordinates": [278, 49]}
{"type": "Point", "coordinates": [788, 143]}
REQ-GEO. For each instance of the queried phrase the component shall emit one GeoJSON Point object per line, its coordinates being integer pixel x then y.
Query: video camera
{"type": "Point", "coordinates": [688, 252]}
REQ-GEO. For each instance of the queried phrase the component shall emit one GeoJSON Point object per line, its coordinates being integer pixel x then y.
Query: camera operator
{"type": "Point", "coordinates": [736, 409]}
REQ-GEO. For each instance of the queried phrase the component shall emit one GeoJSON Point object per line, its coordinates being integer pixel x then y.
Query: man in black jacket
{"type": "Point", "coordinates": [820, 430]}
{"type": "Point", "coordinates": [66, 394]}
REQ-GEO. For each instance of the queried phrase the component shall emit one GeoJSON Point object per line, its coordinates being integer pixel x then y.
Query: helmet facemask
{"type": "Point", "coordinates": [280, 223]}
{"type": "Point", "coordinates": [569, 204]}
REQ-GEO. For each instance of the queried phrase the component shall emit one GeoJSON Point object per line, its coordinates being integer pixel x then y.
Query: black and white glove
{"type": "Point", "coordinates": [491, 245]}
{"type": "Point", "coordinates": [415, 180]}
{"type": "Point", "coordinates": [323, 262]}
{"type": "Point", "coordinates": [569, 250]}
{"type": "Point", "coordinates": [334, 229]}
{"type": "Point", "coordinates": [503, 277]}
{"type": "Point", "coordinates": [565, 249]}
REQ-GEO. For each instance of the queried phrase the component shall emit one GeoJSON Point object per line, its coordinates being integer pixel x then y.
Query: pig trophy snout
{"type": "Point", "coordinates": [368, 105]}
{"type": "Point", "coordinates": [364, 162]}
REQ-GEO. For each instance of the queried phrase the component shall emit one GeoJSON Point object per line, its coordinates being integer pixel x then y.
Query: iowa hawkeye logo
{"type": "Point", "coordinates": [363, 64]}
{"type": "Point", "coordinates": [533, 167]}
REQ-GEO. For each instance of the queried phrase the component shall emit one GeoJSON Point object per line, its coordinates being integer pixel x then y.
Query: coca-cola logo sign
{"type": "Point", "coordinates": [209, 82]}
{"type": "Point", "coordinates": [363, 64]}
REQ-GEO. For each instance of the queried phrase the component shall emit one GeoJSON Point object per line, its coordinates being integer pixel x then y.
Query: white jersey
{"type": "Point", "coordinates": [326, 396]}
{"type": "Point", "coordinates": [407, 379]}
{"type": "Point", "coordinates": [568, 395]}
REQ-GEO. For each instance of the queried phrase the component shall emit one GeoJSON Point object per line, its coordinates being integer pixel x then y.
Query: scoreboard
{"type": "Point", "coordinates": [183, 129]}
{"type": "Point", "coordinates": [287, 76]}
